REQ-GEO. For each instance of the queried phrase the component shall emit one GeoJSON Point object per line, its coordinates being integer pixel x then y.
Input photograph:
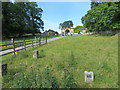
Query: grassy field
{"type": "Point", "coordinates": [62, 64]}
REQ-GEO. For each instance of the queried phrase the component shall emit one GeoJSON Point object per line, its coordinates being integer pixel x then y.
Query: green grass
{"type": "Point", "coordinates": [63, 62]}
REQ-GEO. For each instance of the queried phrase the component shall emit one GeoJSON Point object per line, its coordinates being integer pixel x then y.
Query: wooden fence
{"type": "Point", "coordinates": [25, 43]}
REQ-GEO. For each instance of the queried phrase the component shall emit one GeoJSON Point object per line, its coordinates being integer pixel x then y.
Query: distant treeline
{"type": "Point", "coordinates": [103, 16]}
{"type": "Point", "coordinates": [20, 18]}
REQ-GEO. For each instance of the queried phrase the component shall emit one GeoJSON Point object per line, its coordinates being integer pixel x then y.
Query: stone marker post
{"type": "Point", "coordinates": [35, 54]}
{"type": "Point", "coordinates": [89, 76]}
{"type": "Point", "coordinates": [3, 70]}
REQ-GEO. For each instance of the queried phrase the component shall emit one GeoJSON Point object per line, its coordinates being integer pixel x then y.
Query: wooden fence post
{"type": "Point", "coordinates": [35, 41]}
{"type": "Point", "coordinates": [46, 38]}
{"type": "Point", "coordinates": [43, 39]}
{"type": "Point", "coordinates": [24, 44]}
{"type": "Point", "coordinates": [6, 43]}
{"type": "Point", "coordinates": [39, 40]}
{"type": "Point", "coordinates": [12, 39]}
{"type": "Point", "coordinates": [32, 44]}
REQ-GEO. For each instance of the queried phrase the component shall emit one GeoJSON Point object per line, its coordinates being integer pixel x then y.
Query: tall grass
{"type": "Point", "coordinates": [63, 62]}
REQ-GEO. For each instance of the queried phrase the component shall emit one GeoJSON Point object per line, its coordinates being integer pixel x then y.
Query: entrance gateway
{"type": "Point", "coordinates": [64, 31]}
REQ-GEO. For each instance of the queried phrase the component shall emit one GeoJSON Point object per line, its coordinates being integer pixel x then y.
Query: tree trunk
{"type": "Point", "coordinates": [33, 34]}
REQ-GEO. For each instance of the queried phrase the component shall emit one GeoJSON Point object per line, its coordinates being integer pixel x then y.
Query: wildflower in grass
{"type": "Point", "coordinates": [16, 74]}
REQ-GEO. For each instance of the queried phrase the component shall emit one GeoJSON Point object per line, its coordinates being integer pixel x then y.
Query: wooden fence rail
{"type": "Point", "coordinates": [24, 43]}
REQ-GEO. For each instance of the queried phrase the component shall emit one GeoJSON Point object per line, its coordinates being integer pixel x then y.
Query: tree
{"type": "Point", "coordinates": [79, 28]}
{"type": "Point", "coordinates": [102, 16]}
{"type": "Point", "coordinates": [6, 18]}
{"type": "Point", "coordinates": [66, 24]}
{"type": "Point", "coordinates": [20, 18]}
{"type": "Point", "coordinates": [18, 21]}
{"type": "Point", "coordinates": [34, 20]}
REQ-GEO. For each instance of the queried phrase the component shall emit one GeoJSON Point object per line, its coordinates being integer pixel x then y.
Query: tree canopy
{"type": "Point", "coordinates": [66, 24]}
{"type": "Point", "coordinates": [102, 16]}
{"type": "Point", "coordinates": [19, 18]}
{"type": "Point", "coordinates": [79, 28]}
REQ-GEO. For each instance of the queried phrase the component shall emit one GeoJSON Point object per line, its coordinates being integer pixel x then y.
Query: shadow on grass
{"type": "Point", "coordinates": [105, 34]}
{"type": "Point", "coordinates": [41, 54]}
